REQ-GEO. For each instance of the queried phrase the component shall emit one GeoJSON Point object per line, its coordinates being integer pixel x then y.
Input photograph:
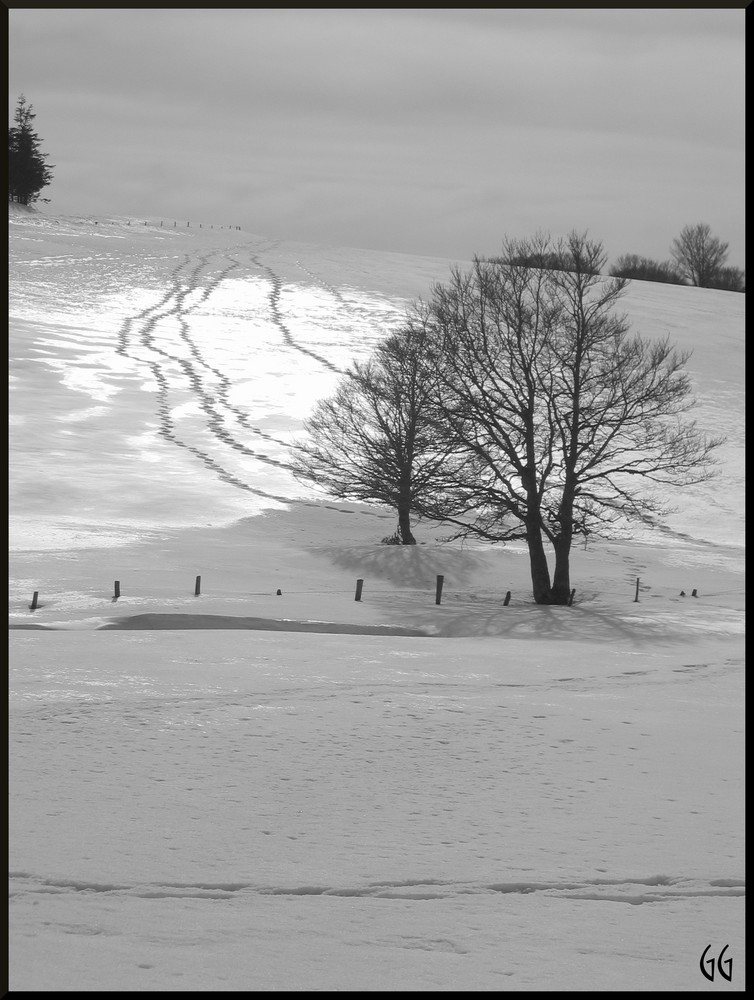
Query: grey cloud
{"type": "Point", "coordinates": [416, 129]}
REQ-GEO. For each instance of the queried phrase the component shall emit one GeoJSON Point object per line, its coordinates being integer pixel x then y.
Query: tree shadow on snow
{"type": "Point", "coordinates": [407, 565]}
{"type": "Point", "coordinates": [546, 623]}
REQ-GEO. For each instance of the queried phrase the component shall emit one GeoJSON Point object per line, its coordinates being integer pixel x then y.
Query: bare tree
{"type": "Point", "coordinates": [698, 254]}
{"type": "Point", "coordinates": [377, 439]}
{"type": "Point", "coordinates": [562, 415]}
{"type": "Point", "coordinates": [730, 279]}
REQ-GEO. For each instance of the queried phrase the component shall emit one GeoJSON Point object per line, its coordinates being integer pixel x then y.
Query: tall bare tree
{"type": "Point", "coordinates": [699, 255]}
{"type": "Point", "coordinates": [376, 438]}
{"type": "Point", "coordinates": [567, 421]}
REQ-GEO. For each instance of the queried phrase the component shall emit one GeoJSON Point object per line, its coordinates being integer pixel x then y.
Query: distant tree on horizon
{"type": "Point", "coordinates": [533, 255]}
{"type": "Point", "coordinates": [28, 173]}
{"type": "Point", "coordinates": [631, 265]}
{"type": "Point", "coordinates": [699, 255]}
{"type": "Point", "coordinates": [730, 279]}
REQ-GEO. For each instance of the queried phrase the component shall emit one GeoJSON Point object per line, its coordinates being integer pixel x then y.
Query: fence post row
{"type": "Point", "coordinates": [440, 580]}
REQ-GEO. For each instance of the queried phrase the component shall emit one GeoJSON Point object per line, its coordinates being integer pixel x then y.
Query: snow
{"type": "Point", "coordinates": [410, 796]}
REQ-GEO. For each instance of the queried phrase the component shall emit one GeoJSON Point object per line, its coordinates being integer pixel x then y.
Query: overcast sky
{"type": "Point", "coordinates": [430, 132]}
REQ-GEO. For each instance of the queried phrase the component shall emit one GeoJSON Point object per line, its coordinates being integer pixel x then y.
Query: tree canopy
{"type": "Point", "coordinates": [375, 439]}
{"type": "Point", "coordinates": [699, 255]}
{"type": "Point", "coordinates": [565, 414]}
{"type": "Point", "coordinates": [542, 418]}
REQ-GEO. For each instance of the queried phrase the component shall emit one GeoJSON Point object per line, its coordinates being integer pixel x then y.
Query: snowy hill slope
{"type": "Point", "coordinates": [543, 798]}
{"type": "Point", "coordinates": [159, 374]}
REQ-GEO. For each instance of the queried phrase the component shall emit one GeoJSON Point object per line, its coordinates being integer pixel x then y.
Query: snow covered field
{"type": "Point", "coordinates": [237, 790]}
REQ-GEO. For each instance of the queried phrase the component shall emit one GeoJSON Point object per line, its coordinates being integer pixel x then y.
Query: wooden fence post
{"type": "Point", "coordinates": [359, 585]}
{"type": "Point", "coordinates": [507, 600]}
{"type": "Point", "coordinates": [636, 598]}
{"type": "Point", "coordinates": [198, 586]}
{"type": "Point", "coordinates": [117, 590]}
{"type": "Point", "coordinates": [34, 600]}
{"type": "Point", "coordinates": [438, 589]}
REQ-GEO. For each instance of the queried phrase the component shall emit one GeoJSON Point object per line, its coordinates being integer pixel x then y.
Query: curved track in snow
{"type": "Point", "coordinates": [184, 377]}
{"type": "Point", "coordinates": [277, 317]}
{"type": "Point", "coordinates": [139, 339]}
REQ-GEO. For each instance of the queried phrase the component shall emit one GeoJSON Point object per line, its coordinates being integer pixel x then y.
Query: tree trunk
{"type": "Point", "coordinates": [540, 573]}
{"type": "Point", "coordinates": [404, 525]}
{"type": "Point", "coordinates": [561, 581]}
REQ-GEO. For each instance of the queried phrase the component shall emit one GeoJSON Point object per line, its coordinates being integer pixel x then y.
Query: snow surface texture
{"type": "Point", "coordinates": [211, 797]}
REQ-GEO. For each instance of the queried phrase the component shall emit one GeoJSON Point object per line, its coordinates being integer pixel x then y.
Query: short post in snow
{"type": "Point", "coordinates": [570, 599]}
{"type": "Point", "coordinates": [198, 586]}
{"type": "Point", "coordinates": [507, 600]}
{"type": "Point", "coordinates": [694, 593]}
{"type": "Point", "coordinates": [636, 598]}
{"type": "Point", "coordinates": [117, 590]}
{"type": "Point", "coordinates": [359, 586]}
{"type": "Point", "coordinates": [438, 589]}
{"type": "Point", "coordinates": [34, 601]}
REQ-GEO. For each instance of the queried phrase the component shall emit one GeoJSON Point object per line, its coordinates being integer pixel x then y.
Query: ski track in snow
{"type": "Point", "coordinates": [653, 889]}
{"type": "Point", "coordinates": [143, 329]}
{"type": "Point", "coordinates": [274, 300]}
{"type": "Point", "coordinates": [138, 339]}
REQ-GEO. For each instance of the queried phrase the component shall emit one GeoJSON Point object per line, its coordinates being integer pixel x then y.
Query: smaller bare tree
{"type": "Point", "coordinates": [699, 255]}
{"type": "Point", "coordinates": [376, 438]}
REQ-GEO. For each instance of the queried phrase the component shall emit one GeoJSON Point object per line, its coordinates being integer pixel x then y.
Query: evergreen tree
{"type": "Point", "coordinates": [27, 171]}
